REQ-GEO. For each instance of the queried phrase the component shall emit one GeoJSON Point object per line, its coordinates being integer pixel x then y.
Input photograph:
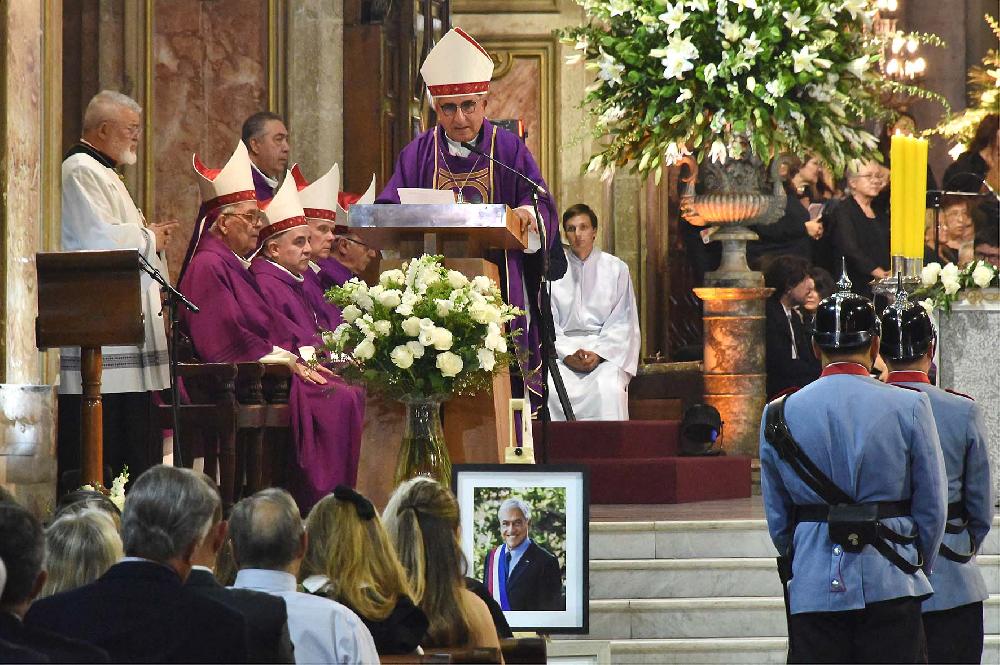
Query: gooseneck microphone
{"type": "Point", "coordinates": [471, 147]}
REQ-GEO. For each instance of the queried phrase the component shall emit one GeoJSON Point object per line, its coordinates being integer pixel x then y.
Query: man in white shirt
{"type": "Point", "coordinates": [596, 324]}
{"type": "Point", "coordinates": [269, 543]}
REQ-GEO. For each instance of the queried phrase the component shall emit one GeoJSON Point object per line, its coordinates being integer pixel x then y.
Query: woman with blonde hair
{"type": "Point", "coordinates": [82, 545]}
{"type": "Point", "coordinates": [422, 521]}
{"type": "Point", "coordinates": [350, 559]}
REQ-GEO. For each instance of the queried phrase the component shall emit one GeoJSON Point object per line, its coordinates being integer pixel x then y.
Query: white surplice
{"type": "Point", "coordinates": [98, 213]}
{"type": "Point", "coordinates": [593, 308]}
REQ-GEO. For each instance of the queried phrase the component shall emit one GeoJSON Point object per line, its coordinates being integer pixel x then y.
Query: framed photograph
{"type": "Point", "coordinates": [525, 535]}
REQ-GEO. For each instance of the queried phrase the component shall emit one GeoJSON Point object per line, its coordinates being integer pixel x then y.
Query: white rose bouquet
{"type": "Point", "coordinates": [423, 330]}
{"type": "Point", "coordinates": [941, 286]}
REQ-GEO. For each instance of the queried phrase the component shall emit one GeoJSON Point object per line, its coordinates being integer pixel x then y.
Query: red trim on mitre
{"type": "Point", "coordinates": [300, 180]}
{"type": "Point", "coordinates": [320, 213]}
{"type": "Point", "coordinates": [907, 376]}
{"type": "Point", "coordinates": [228, 199]}
{"type": "Point", "coordinates": [472, 41]}
{"type": "Point", "coordinates": [454, 89]}
{"type": "Point", "coordinates": [845, 368]}
{"type": "Point", "coordinates": [204, 171]}
{"type": "Point", "coordinates": [280, 227]}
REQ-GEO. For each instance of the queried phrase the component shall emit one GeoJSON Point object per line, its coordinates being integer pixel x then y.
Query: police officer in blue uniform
{"type": "Point", "coordinates": [953, 616]}
{"type": "Point", "coordinates": [854, 490]}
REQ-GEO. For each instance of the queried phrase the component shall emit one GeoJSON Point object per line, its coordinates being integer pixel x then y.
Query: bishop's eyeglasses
{"type": "Point", "coordinates": [469, 106]}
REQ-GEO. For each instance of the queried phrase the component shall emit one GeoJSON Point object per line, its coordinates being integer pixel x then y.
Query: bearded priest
{"type": "Point", "coordinates": [457, 72]}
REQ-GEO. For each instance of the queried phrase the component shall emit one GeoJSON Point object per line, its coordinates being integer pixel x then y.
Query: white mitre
{"type": "Point", "coordinates": [457, 65]}
{"type": "Point", "coordinates": [230, 184]}
{"type": "Point", "coordinates": [283, 211]}
{"type": "Point", "coordinates": [318, 198]}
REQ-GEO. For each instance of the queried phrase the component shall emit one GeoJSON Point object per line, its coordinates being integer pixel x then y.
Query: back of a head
{"type": "Point", "coordinates": [422, 520]}
{"type": "Point", "coordinates": [81, 500]}
{"type": "Point", "coordinates": [845, 322]}
{"type": "Point", "coordinates": [82, 545]}
{"type": "Point", "coordinates": [168, 509]}
{"type": "Point", "coordinates": [907, 331]}
{"type": "Point", "coordinates": [266, 530]}
{"type": "Point", "coordinates": [22, 548]}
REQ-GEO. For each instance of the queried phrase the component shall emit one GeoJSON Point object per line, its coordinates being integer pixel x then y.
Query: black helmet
{"type": "Point", "coordinates": [845, 320]}
{"type": "Point", "coordinates": [907, 329]}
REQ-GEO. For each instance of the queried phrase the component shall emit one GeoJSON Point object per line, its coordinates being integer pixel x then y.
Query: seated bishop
{"type": "Point", "coordinates": [236, 324]}
{"type": "Point", "coordinates": [596, 325]}
{"type": "Point", "coordinates": [349, 255]}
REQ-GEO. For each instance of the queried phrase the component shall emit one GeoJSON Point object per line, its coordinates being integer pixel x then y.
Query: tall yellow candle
{"type": "Point", "coordinates": [915, 236]}
{"type": "Point", "coordinates": [907, 180]}
{"type": "Point", "coordinates": [896, 195]}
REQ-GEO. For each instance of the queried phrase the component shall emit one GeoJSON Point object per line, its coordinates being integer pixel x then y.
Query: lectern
{"type": "Point", "coordinates": [476, 428]}
{"type": "Point", "coordinates": [89, 299]}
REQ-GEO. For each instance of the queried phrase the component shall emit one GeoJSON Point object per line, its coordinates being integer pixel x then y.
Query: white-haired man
{"type": "Point", "coordinates": [98, 213]}
{"type": "Point", "coordinates": [520, 575]}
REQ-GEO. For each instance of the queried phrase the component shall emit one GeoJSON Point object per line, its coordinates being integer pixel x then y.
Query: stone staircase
{"type": "Point", "coordinates": [707, 591]}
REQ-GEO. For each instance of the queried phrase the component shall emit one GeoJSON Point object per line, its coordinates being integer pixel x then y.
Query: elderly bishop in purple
{"type": "Point", "coordinates": [457, 72]}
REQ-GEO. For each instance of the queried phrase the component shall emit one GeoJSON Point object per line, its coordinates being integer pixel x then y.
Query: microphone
{"type": "Point", "coordinates": [471, 147]}
{"type": "Point", "coordinates": [978, 178]}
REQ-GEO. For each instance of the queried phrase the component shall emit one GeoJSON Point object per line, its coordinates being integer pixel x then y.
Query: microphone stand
{"type": "Point", "coordinates": [174, 297]}
{"type": "Point", "coordinates": [550, 362]}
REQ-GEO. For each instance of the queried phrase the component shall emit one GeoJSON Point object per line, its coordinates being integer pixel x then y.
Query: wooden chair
{"type": "Point", "coordinates": [524, 651]}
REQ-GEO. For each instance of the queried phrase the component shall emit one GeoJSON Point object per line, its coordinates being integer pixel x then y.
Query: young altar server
{"type": "Point", "coordinates": [596, 324]}
{"type": "Point", "coordinates": [236, 324]}
{"type": "Point", "coordinates": [953, 616]}
{"type": "Point", "coordinates": [457, 72]}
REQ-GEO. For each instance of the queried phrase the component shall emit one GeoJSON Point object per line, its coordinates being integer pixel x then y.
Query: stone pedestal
{"type": "Point", "coordinates": [734, 362]}
{"type": "Point", "coordinates": [968, 357]}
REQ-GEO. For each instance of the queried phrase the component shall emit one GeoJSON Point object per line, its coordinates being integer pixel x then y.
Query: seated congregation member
{"type": "Point", "coordinates": [789, 359]}
{"type": "Point", "coordinates": [796, 231]}
{"type": "Point", "coordinates": [422, 520]}
{"type": "Point", "coordinates": [140, 610]}
{"type": "Point", "coordinates": [854, 588]}
{"type": "Point", "coordinates": [596, 325]}
{"type": "Point", "coordinates": [521, 575]}
{"type": "Point", "coordinates": [956, 217]}
{"type": "Point", "coordinates": [79, 500]}
{"type": "Point", "coordinates": [268, 640]}
{"type": "Point", "coordinates": [82, 545]}
{"type": "Point", "coordinates": [269, 543]}
{"type": "Point", "coordinates": [349, 255]}
{"type": "Point", "coordinates": [11, 653]}
{"type": "Point", "coordinates": [351, 560]}
{"type": "Point", "coordinates": [823, 287]}
{"type": "Point", "coordinates": [236, 324]}
{"type": "Point", "coordinates": [22, 551]}
{"type": "Point", "coordinates": [953, 616]}
{"type": "Point", "coordinates": [861, 230]}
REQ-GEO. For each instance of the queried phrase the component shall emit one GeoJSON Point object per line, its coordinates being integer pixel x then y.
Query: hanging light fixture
{"type": "Point", "coordinates": [901, 60]}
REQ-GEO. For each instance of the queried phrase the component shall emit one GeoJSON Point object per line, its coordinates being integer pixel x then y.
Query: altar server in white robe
{"type": "Point", "coordinates": [98, 214]}
{"type": "Point", "coordinates": [596, 325]}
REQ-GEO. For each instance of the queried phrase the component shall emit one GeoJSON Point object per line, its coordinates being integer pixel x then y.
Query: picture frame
{"type": "Point", "coordinates": [557, 537]}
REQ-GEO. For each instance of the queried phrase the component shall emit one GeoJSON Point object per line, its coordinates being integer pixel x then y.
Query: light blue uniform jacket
{"type": "Point", "coordinates": [877, 443]}
{"type": "Point", "coordinates": [962, 433]}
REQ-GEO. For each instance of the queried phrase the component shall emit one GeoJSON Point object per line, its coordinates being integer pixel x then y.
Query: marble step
{"type": "Point", "coordinates": [709, 578]}
{"type": "Point", "coordinates": [719, 650]}
{"type": "Point", "coordinates": [698, 539]}
{"type": "Point", "coordinates": [688, 618]}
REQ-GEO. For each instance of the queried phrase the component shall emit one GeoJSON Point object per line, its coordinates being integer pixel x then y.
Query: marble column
{"type": "Point", "coordinates": [29, 97]}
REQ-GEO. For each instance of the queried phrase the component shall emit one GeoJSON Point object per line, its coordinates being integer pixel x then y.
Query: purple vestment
{"type": "Point", "coordinates": [327, 314]}
{"type": "Point", "coordinates": [426, 163]}
{"type": "Point", "coordinates": [263, 190]}
{"type": "Point", "coordinates": [332, 272]}
{"type": "Point", "coordinates": [236, 324]}
{"type": "Point", "coordinates": [282, 291]}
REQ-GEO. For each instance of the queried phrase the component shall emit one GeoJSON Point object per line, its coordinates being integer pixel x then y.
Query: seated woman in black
{"type": "Point", "coordinates": [351, 560]}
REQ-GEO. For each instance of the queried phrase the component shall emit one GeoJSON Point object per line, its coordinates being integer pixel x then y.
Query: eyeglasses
{"type": "Point", "coordinates": [133, 130]}
{"type": "Point", "coordinates": [251, 218]}
{"type": "Point", "coordinates": [468, 107]}
{"type": "Point", "coordinates": [357, 242]}
{"type": "Point", "coordinates": [876, 177]}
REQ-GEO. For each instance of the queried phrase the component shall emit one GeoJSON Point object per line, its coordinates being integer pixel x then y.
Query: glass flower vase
{"type": "Point", "coordinates": [423, 451]}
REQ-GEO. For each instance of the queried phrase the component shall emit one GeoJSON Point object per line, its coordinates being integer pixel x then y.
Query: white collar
{"type": "Point", "coordinates": [205, 568]}
{"type": "Point", "coordinates": [316, 583]}
{"type": "Point", "coordinates": [315, 268]}
{"type": "Point", "coordinates": [455, 148]}
{"type": "Point", "coordinates": [297, 278]}
{"type": "Point", "coordinates": [271, 182]}
{"type": "Point", "coordinates": [265, 580]}
{"type": "Point", "coordinates": [243, 262]}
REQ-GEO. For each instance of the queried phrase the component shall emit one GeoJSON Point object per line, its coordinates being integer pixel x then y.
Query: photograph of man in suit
{"type": "Point", "coordinates": [520, 575]}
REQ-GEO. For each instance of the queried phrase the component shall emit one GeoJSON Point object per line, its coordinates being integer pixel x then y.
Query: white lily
{"type": "Point", "coordinates": [796, 22]}
{"type": "Point", "coordinates": [718, 152]}
{"type": "Point", "coordinates": [732, 31]}
{"type": "Point", "coordinates": [685, 95]}
{"type": "Point", "coordinates": [679, 56]}
{"type": "Point", "coordinates": [802, 60]}
{"type": "Point", "coordinates": [674, 16]}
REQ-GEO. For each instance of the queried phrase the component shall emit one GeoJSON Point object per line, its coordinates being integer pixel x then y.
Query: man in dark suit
{"type": "Point", "coordinates": [790, 361]}
{"type": "Point", "coordinates": [22, 550]}
{"type": "Point", "coordinates": [519, 574]}
{"type": "Point", "coordinates": [140, 610]}
{"type": "Point", "coordinates": [268, 640]}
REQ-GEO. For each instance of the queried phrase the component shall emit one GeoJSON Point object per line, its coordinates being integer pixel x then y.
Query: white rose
{"type": "Point", "coordinates": [404, 309]}
{"type": "Point", "coordinates": [457, 280]}
{"type": "Point", "coordinates": [411, 326]}
{"type": "Point", "coordinates": [363, 300]}
{"type": "Point", "coordinates": [364, 350]}
{"type": "Point", "coordinates": [426, 324]}
{"type": "Point", "coordinates": [416, 349]}
{"type": "Point", "coordinates": [449, 363]}
{"type": "Point", "coordinates": [426, 337]}
{"type": "Point", "coordinates": [382, 327]}
{"type": "Point", "coordinates": [495, 342]}
{"type": "Point", "coordinates": [401, 356]}
{"type": "Point", "coordinates": [307, 353]}
{"type": "Point", "coordinates": [929, 274]}
{"type": "Point", "coordinates": [982, 275]}
{"type": "Point", "coordinates": [392, 277]}
{"type": "Point", "coordinates": [443, 307]}
{"type": "Point", "coordinates": [442, 339]}
{"type": "Point", "coordinates": [949, 272]}
{"type": "Point", "coordinates": [482, 312]}
{"type": "Point", "coordinates": [350, 313]}
{"type": "Point", "coordinates": [951, 286]}
{"type": "Point", "coordinates": [390, 298]}
{"type": "Point", "coordinates": [928, 305]}
{"type": "Point", "coordinates": [410, 298]}
{"type": "Point", "coordinates": [482, 284]}
{"type": "Point", "coordinates": [487, 360]}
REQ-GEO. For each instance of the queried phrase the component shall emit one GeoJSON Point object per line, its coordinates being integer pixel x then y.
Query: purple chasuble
{"type": "Point", "coordinates": [332, 272]}
{"type": "Point", "coordinates": [263, 189]}
{"type": "Point", "coordinates": [327, 314]}
{"type": "Point", "coordinates": [282, 291]}
{"type": "Point", "coordinates": [425, 162]}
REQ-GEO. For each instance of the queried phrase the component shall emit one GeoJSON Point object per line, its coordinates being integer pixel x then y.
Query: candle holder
{"type": "Point", "coordinates": [884, 290]}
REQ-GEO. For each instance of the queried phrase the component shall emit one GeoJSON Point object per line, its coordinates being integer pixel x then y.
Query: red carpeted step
{"type": "Point", "coordinates": [666, 479]}
{"type": "Point", "coordinates": [610, 439]}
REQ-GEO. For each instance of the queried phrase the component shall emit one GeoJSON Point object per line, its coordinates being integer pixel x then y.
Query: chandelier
{"type": "Point", "coordinates": [901, 60]}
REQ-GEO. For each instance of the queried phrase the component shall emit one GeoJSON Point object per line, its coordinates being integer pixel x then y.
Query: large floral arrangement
{"type": "Point", "coordinates": [941, 286]}
{"type": "Point", "coordinates": [709, 77]}
{"type": "Point", "coordinates": [423, 330]}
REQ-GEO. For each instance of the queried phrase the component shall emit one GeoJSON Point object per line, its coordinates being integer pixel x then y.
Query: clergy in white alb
{"type": "Point", "coordinates": [596, 325]}
{"type": "Point", "coordinates": [98, 214]}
